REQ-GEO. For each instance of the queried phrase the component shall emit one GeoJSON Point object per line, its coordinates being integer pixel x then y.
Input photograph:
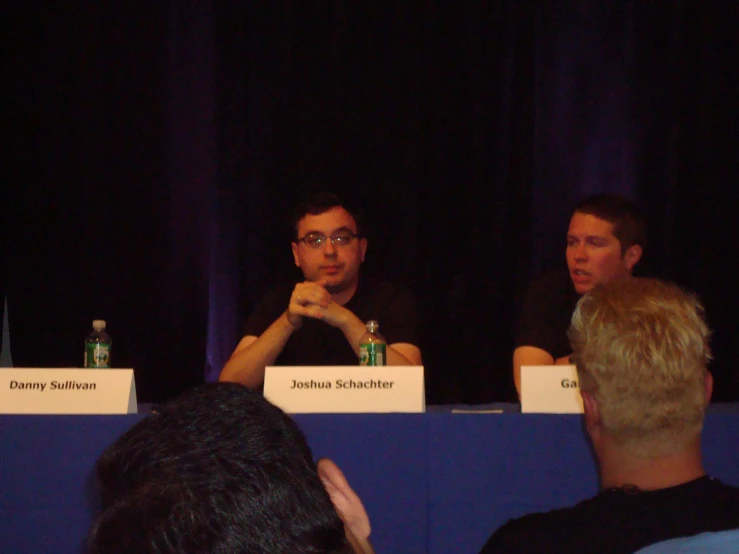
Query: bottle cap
{"type": "Point", "coordinates": [372, 326]}
{"type": "Point", "coordinates": [98, 324]}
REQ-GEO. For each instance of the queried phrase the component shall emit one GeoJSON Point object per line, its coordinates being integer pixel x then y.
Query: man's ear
{"type": "Point", "coordinates": [295, 253]}
{"type": "Point", "coordinates": [708, 385]}
{"type": "Point", "coordinates": [632, 256]}
{"type": "Point", "coordinates": [362, 249]}
{"type": "Point", "coordinates": [592, 414]}
{"type": "Point", "coordinates": [346, 502]}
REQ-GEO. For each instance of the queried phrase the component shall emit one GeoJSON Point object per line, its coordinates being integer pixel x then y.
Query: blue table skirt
{"type": "Point", "coordinates": [435, 483]}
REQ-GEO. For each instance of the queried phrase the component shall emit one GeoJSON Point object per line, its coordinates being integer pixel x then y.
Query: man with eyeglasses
{"type": "Point", "coordinates": [320, 320]}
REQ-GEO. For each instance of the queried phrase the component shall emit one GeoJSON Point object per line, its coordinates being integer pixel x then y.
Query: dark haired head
{"type": "Point", "coordinates": [219, 470]}
{"type": "Point", "coordinates": [322, 202]}
{"type": "Point", "coordinates": [629, 225]}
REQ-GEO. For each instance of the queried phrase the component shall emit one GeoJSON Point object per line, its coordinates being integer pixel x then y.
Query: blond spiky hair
{"type": "Point", "coordinates": [641, 349]}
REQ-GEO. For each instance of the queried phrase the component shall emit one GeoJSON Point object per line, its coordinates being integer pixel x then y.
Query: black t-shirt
{"type": "Point", "coordinates": [621, 522]}
{"type": "Point", "coordinates": [546, 312]}
{"type": "Point", "coordinates": [317, 343]}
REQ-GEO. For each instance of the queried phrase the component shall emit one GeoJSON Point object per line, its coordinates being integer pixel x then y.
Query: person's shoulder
{"type": "Point", "coordinates": [718, 490]}
{"type": "Point", "coordinates": [525, 524]}
{"type": "Point", "coordinates": [381, 288]}
{"type": "Point", "coordinates": [525, 533]}
{"type": "Point", "coordinates": [551, 281]}
{"type": "Point", "coordinates": [266, 309]}
{"type": "Point", "coordinates": [550, 531]}
{"type": "Point", "coordinates": [704, 487]}
{"type": "Point", "coordinates": [718, 484]}
{"type": "Point", "coordinates": [279, 292]}
{"type": "Point", "coordinates": [550, 295]}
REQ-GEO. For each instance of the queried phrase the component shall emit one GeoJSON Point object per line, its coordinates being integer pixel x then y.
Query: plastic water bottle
{"type": "Point", "coordinates": [372, 347]}
{"type": "Point", "coordinates": [98, 346]}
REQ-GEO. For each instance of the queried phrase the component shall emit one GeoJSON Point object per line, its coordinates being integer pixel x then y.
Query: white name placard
{"type": "Point", "coordinates": [67, 391]}
{"type": "Point", "coordinates": [550, 389]}
{"type": "Point", "coordinates": [345, 389]}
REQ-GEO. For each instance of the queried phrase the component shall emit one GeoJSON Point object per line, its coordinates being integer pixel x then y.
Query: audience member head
{"type": "Point", "coordinates": [641, 350]}
{"type": "Point", "coordinates": [605, 240]}
{"type": "Point", "coordinates": [219, 470]}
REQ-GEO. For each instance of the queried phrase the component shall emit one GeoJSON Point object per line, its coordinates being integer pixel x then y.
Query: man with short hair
{"type": "Point", "coordinates": [605, 240]}
{"type": "Point", "coordinates": [222, 470]}
{"type": "Point", "coordinates": [320, 321]}
{"type": "Point", "coordinates": [641, 351]}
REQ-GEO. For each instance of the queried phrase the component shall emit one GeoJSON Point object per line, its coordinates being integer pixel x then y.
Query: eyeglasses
{"type": "Point", "coordinates": [317, 240]}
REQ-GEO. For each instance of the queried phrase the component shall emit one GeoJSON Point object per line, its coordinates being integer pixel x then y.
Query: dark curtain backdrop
{"type": "Point", "coordinates": [157, 153]}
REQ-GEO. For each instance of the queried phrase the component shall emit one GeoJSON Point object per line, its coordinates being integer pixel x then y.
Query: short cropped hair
{"type": "Point", "coordinates": [629, 224]}
{"type": "Point", "coordinates": [641, 349]}
{"type": "Point", "coordinates": [219, 470]}
{"type": "Point", "coordinates": [321, 202]}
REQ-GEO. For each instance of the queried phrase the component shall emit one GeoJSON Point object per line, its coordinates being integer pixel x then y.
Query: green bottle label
{"type": "Point", "coordinates": [372, 354]}
{"type": "Point", "coordinates": [97, 355]}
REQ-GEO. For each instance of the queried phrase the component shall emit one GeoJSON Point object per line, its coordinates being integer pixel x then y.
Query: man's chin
{"type": "Point", "coordinates": [338, 287]}
{"type": "Point", "coordinates": [335, 286]}
{"type": "Point", "coordinates": [582, 289]}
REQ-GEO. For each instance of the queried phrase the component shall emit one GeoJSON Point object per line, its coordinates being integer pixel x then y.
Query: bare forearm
{"type": "Point", "coordinates": [354, 329]}
{"type": "Point", "coordinates": [247, 364]}
{"type": "Point", "coordinates": [394, 357]}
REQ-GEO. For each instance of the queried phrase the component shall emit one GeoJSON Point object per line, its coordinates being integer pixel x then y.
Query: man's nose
{"type": "Point", "coordinates": [581, 252]}
{"type": "Point", "coordinates": [330, 248]}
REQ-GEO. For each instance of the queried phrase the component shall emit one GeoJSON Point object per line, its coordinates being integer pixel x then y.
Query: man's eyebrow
{"type": "Point", "coordinates": [343, 228]}
{"type": "Point", "coordinates": [587, 237]}
{"type": "Point", "coordinates": [337, 230]}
